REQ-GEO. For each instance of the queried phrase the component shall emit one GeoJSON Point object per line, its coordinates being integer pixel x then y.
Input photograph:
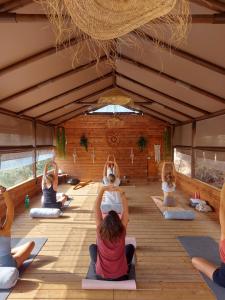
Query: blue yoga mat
{"type": "Point", "coordinates": [15, 242]}
{"type": "Point", "coordinates": [207, 248]}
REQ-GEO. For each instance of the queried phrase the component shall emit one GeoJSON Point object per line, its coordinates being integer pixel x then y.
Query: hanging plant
{"type": "Point", "coordinates": [84, 142]}
{"type": "Point", "coordinates": [167, 143]}
{"type": "Point", "coordinates": [61, 142]}
{"type": "Point", "coordinates": [142, 143]}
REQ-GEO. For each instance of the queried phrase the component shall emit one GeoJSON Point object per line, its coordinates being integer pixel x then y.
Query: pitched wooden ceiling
{"type": "Point", "coordinates": [175, 85]}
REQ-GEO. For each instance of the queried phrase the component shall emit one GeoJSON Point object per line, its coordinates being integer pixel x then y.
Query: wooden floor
{"type": "Point", "coordinates": [164, 271]}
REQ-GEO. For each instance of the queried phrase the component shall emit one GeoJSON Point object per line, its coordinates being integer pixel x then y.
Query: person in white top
{"type": "Point", "coordinates": [111, 199]}
{"type": "Point", "coordinates": [111, 168]}
{"type": "Point", "coordinates": [168, 184]}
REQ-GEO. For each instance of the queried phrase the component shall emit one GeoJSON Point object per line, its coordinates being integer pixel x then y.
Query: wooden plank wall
{"type": "Point", "coordinates": [95, 128]}
{"type": "Point", "coordinates": [207, 192]}
{"type": "Point", "coordinates": [18, 193]}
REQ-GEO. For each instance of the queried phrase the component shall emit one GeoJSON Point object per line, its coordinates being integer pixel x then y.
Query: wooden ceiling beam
{"type": "Point", "coordinates": [159, 93]}
{"type": "Point", "coordinates": [13, 4]}
{"type": "Point", "coordinates": [86, 84]}
{"type": "Point", "coordinates": [183, 54]}
{"type": "Point", "coordinates": [148, 100]}
{"type": "Point", "coordinates": [39, 55]}
{"type": "Point", "coordinates": [7, 17]}
{"type": "Point", "coordinates": [66, 114]}
{"type": "Point", "coordinates": [172, 79]}
{"type": "Point", "coordinates": [53, 79]}
{"type": "Point", "coordinates": [78, 101]}
{"type": "Point", "coordinates": [211, 4]}
{"type": "Point", "coordinates": [145, 111]}
{"type": "Point", "coordinates": [161, 114]}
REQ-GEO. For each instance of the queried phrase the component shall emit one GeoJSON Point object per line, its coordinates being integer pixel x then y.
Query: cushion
{"type": "Point", "coordinates": [8, 277]}
{"type": "Point", "coordinates": [179, 215]}
{"type": "Point", "coordinates": [45, 212]}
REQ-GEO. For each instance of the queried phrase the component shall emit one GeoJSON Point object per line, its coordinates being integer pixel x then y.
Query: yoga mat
{"type": "Point", "coordinates": [15, 242]}
{"type": "Point", "coordinates": [207, 248]}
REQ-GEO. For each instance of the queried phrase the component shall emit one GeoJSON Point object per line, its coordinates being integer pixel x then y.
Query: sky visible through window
{"type": "Point", "coordinates": [114, 109]}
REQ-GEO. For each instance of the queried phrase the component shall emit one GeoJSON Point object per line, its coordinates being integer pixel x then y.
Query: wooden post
{"type": "Point", "coordinates": [35, 149]}
{"type": "Point", "coordinates": [172, 136]}
{"type": "Point", "coordinates": [193, 149]}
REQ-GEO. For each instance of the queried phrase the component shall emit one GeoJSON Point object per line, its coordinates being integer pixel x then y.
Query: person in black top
{"type": "Point", "coordinates": [49, 188]}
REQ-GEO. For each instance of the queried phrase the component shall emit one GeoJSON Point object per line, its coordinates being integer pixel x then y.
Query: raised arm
{"type": "Point", "coordinates": [117, 170]}
{"type": "Point", "coordinates": [44, 174]}
{"type": "Point", "coordinates": [105, 169]}
{"type": "Point", "coordinates": [222, 212]}
{"type": "Point", "coordinates": [56, 180]}
{"type": "Point", "coordinates": [125, 215]}
{"type": "Point", "coordinates": [6, 227]}
{"type": "Point", "coordinates": [98, 213]}
{"type": "Point", "coordinates": [163, 171]}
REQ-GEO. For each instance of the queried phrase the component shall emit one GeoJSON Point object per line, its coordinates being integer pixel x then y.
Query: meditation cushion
{"type": "Point", "coordinates": [45, 212]}
{"type": "Point", "coordinates": [8, 277]}
{"type": "Point", "coordinates": [179, 215]}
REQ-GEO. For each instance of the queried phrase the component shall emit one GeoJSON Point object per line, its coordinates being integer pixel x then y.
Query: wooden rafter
{"type": "Point", "coordinates": [211, 4]}
{"type": "Point", "coordinates": [39, 55]}
{"type": "Point", "coordinates": [153, 101]}
{"type": "Point", "coordinates": [78, 101]}
{"type": "Point", "coordinates": [159, 93]}
{"type": "Point", "coordinates": [86, 84]}
{"type": "Point", "coordinates": [6, 17]}
{"type": "Point", "coordinates": [183, 54]}
{"type": "Point", "coordinates": [172, 79]}
{"type": "Point", "coordinates": [53, 79]}
{"type": "Point", "coordinates": [72, 111]}
{"type": "Point", "coordinates": [145, 111]}
{"type": "Point", "coordinates": [13, 4]}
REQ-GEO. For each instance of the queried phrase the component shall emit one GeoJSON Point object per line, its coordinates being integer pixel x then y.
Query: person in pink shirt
{"type": "Point", "coordinates": [110, 256]}
{"type": "Point", "coordinates": [215, 273]}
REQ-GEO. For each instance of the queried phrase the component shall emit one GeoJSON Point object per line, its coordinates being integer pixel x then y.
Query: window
{"type": "Point", "coordinates": [43, 156]}
{"type": "Point", "coordinates": [16, 167]}
{"type": "Point", "coordinates": [114, 109]}
{"type": "Point", "coordinates": [210, 167]}
{"type": "Point", "coordinates": [182, 161]}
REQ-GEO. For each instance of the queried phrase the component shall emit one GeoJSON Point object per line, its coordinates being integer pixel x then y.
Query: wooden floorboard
{"type": "Point", "coordinates": [164, 270]}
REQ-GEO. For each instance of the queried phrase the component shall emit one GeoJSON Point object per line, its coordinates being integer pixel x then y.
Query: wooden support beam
{"type": "Point", "coordinates": [86, 84]}
{"type": "Point", "coordinates": [159, 93]}
{"type": "Point", "coordinates": [160, 114]}
{"type": "Point", "coordinates": [39, 55]}
{"type": "Point", "coordinates": [7, 17]}
{"type": "Point", "coordinates": [172, 79]}
{"type": "Point", "coordinates": [211, 4]}
{"type": "Point", "coordinates": [153, 101]}
{"type": "Point", "coordinates": [13, 4]}
{"type": "Point", "coordinates": [53, 79]}
{"type": "Point", "coordinates": [147, 112]}
{"type": "Point", "coordinates": [66, 114]}
{"type": "Point", "coordinates": [182, 54]}
{"type": "Point", "coordinates": [79, 101]}
{"type": "Point", "coordinates": [193, 143]}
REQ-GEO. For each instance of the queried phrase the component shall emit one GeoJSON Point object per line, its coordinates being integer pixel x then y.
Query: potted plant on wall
{"type": "Point", "coordinates": [142, 143]}
{"type": "Point", "coordinates": [61, 141]}
{"type": "Point", "coordinates": [84, 142]}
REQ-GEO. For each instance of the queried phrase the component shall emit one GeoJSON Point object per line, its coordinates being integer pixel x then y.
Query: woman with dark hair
{"type": "Point", "coordinates": [111, 257]}
{"type": "Point", "coordinates": [49, 188]}
{"type": "Point", "coordinates": [16, 256]}
{"type": "Point", "coordinates": [168, 184]}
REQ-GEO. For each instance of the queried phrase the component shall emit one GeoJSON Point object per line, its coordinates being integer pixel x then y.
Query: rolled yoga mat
{"type": "Point", "coordinates": [206, 247]}
{"type": "Point", "coordinates": [15, 242]}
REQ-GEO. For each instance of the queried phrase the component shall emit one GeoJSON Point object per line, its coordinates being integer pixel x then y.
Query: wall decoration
{"type": "Point", "coordinates": [61, 142]}
{"type": "Point", "coordinates": [132, 156]}
{"type": "Point", "coordinates": [142, 143]}
{"type": "Point", "coordinates": [157, 153]}
{"type": "Point", "coordinates": [112, 137]}
{"type": "Point", "coordinates": [84, 142]}
{"type": "Point", "coordinates": [93, 155]}
{"type": "Point", "coordinates": [75, 155]}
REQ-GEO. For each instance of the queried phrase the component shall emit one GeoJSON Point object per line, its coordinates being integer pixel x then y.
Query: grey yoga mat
{"type": "Point", "coordinates": [207, 248]}
{"type": "Point", "coordinates": [15, 242]}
